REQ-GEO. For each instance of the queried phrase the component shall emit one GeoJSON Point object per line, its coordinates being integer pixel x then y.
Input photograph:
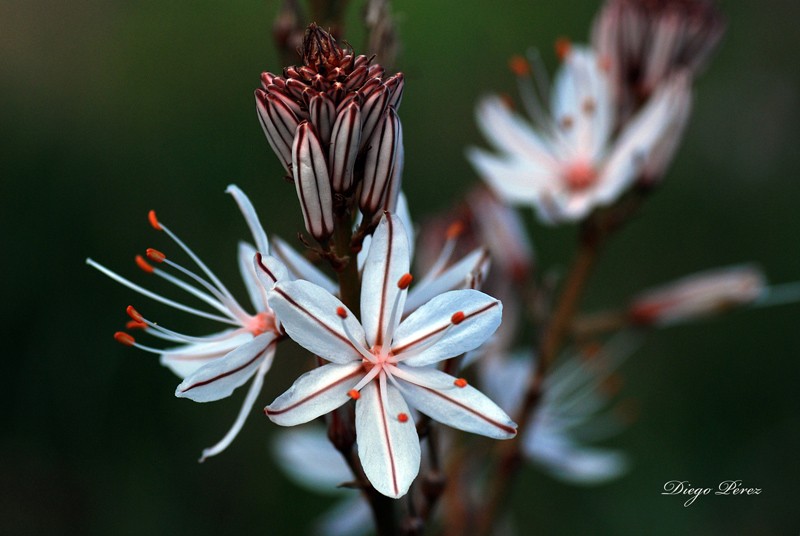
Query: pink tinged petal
{"type": "Point", "coordinates": [219, 378]}
{"type": "Point", "coordinates": [247, 407]}
{"type": "Point", "coordinates": [309, 315]}
{"type": "Point", "coordinates": [387, 261]}
{"type": "Point", "coordinates": [345, 141]}
{"type": "Point", "coordinates": [428, 335]}
{"type": "Point", "coordinates": [315, 393]}
{"type": "Point", "coordinates": [279, 123]}
{"type": "Point", "coordinates": [510, 134]}
{"type": "Point", "coordinates": [311, 179]}
{"type": "Point", "coordinates": [322, 114]}
{"type": "Point", "coordinates": [395, 84]}
{"type": "Point", "coordinates": [464, 408]}
{"type": "Point", "coordinates": [250, 216]}
{"type": "Point", "coordinates": [380, 162]}
{"type": "Point", "coordinates": [465, 273]}
{"type": "Point", "coordinates": [188, 359]}
{"type": "Point", "coordinates": [255, 289]}
{"type": "Point", "coordinates": [511, 178]}
{"type": "Point", "coordinates": [371, 113]}
{"type": "Point", "coordinates": [639, 138]}
{"type": "Point", "coordinates": [301, 268]}
{"type": "Point", "coordinates": [387, 447]}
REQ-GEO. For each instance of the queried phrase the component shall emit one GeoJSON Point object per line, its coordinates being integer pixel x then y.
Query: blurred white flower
{"type": "Point", "coordinates": [572, 161]}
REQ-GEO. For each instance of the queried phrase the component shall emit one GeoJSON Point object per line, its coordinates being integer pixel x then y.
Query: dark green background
{"type": "Point", "coordinates": [109, 109]}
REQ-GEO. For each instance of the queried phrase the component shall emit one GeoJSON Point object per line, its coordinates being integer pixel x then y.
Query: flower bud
{"type": "Point", "coordinates": [380, 162]}
{"type": "Point", "coordinates": [698, 295]}
{"type": "Point", "coordinates": [372, 112]}
{"type": "Point", "coordinates": [345, 141]}
{"type": "Point", "coordinates": [278, 122]}
{"type": "Point", "coordinates": [322, 114]}
{"type": "Point", "coordinates": [311, 179]}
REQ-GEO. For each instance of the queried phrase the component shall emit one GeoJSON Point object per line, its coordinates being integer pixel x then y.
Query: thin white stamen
{"type": "Point", "coordinates": [158, 298]}
{"type": "Point", "coordinates": [251, 217]}
{"type": "Point", "coordinates": [394, 319]}
{"type": "Point", "coordinates": [229, 303]}
{"type": "Point", "coordinates": [175, 336]}
{"type": "Point", "coordinates": [194, 291]}
{"type": "Point", "coordinates": [368, 377]}
{"type": "Point", "coordinates": [405, 375]}
{"type": "Point", "coordinates": [779, 295]}
{"type": "Point", "coordinates": [416, 350]}
{"type": "Point", "coordinates": [366, 354]}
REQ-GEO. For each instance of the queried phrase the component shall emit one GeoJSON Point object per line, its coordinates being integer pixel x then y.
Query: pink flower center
{"type": "Point", "coordinates": [381, 358]}
{"type": "Point", "coordinates": [580, 176]}
{"type": "Point", "coordinates": [261, 323]}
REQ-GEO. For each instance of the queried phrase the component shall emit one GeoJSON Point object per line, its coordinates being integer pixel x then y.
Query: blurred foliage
{"type": "Point", "coordinates": [110, 108]}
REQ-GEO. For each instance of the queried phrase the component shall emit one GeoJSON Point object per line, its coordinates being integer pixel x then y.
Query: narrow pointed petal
{"type": "Point", "coordinates": [472, 267]}
{"type": "Point", "coordinates": [395, 84]}
{"type": "Point", "coordinates": [511, 178]}
{"type": "Point", "coordinates": [247, 407]}
{"type": "Point", "coordinates": [380, 162]}
{"type": "Point", "coordinates": [307, 455]}
{"type": "Point", "coordinates": [308, 314]}
{"type": "Point", "coordinates": [219, 378]}
{"type": "Point", "coordinates": [255, 290]}
{"type": "Point", "coordinates": [315, 393]}
{"type": "Point", "coordinates": [269, 270]}
{"type": "Point", "coordinates": [387, 262]}
{"type": "Point", "coordinates": [192, 357]}
{"type": "Point", "coordinates": [388, 448]}
{"type": "Point", "coordinates": [345, 142]}
{"type": "Point", "coordinates": [464, 408]}
{"type": "Point", "coordinates": [567, 461]}
{"type": "Point", "coordinates": [250, 216]}
{"type": "Point", "coordinates": [301, 268]}
{"type": "Point", "coordinates": [312, 182]}
{"type": "Point", "coordinates": [428, 334]}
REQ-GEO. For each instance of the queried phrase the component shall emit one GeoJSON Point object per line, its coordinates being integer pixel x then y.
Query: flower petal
{"type": "Point", "coordinates": [187, 359]}
{"type": "Point", "coordinates": [250, 216]}
{"type": "Point", "coordinates": [315, 393]}
{"type": "Point", "coordinates": [464, 408]}
{"type": "Point", "coordinates": [568, 461]}
{"type": "Point", "coordinates": [247, 407]}
{"type": "Point", "coordinates": [219, 378]}
{"type": "Point", "coordinates": [472, 267]}
{"type": "Point", "coordinates": [428, 335]}
{"type": "Point", "coordinates": [512, 178]}
{"type": "Point", "coordinates": [255, 290]}
{"type": "Point", "coordinates": [309, 315]}
{"type": "Point", "coordinates": [387, 447]}
{"type": "Point", "coordinates": [300, 267]}
{"type": "Point", "coordinates": [308, 456]}
{"type": "Point", "coordinates": [387, 262]}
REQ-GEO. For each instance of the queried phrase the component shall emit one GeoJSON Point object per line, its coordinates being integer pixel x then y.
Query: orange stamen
{"type": "Point", "coordinates": [455, 230]}
{"type": "Point", "coordinates": [123, 338]}
{"type": "Point", "coordinates": [563, 47]}
{"type": "Point", "coordinates": [341, 312]}
{"type": "Point", "coordinates": [155, 255]}
{"type": "Point", "coordinates": [352, 393]}
{"type": "Point", "coordinates": [134, 314]}
{"type": "Point", "coordinates": [460, 382]}
{"type": "Point", "coordinates": [154, 220]}
{"type": "Point", "coordinates": [402, 417]}
{"type": "Point", "coordinates": [404, 281]}
{"type": "Point", "coordinates": [519, 65]}
{"type": "Point", "coordinates": [144, 265]}
{"type": "Point", "coordinates": [457, 318]}
{"type": "Point", "coordinates": [133, 324]}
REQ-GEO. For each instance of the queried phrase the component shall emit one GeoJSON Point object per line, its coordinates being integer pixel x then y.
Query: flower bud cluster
{"type": "Point", "coordinates": [333, 124]}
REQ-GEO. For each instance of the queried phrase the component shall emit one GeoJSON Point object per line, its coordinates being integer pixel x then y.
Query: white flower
{"type": "Point", "coordinates": [310, 459]}
{"type": "Point", "coordinates": [213, 366]}
{"type": "Point", "coordinates": [384, 364]}
{"type": "Point", "coordinates": [570, 412]}
{"type": "Point", "coordinates": [572, 162]}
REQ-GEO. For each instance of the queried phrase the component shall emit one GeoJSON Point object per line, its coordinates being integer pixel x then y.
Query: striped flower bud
{"type": "Point", "coordinates": [311, 179]}
{"type": "Point", "coordinates": [345, 141]}
{"type": "Point", "coordinates": [380, 163]}
{"type": "Point", "coordinates": [279, 122]}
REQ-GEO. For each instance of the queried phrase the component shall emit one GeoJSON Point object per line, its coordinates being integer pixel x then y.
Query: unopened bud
{"type": "Point", "coordinates": [698, 295]}
{"type": "Point", "coordinates": [320, 50]}
{"type": "Point", "coordinates": [279, 123]}
{"type": "Point", "coordinates": [322, 114]}
{"type": "Point", "coordinates": [345, 141]}
{"type": "Point", "coordinates": [380, 162]}
{"type": "Point", "coordinates": [312, 182]}
{"type": "Point", "coordinates": [372, 112]}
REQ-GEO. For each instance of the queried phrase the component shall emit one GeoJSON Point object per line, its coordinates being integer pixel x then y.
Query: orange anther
{"type": "Point", "coordinates": [155, 255]}
{"type": "Point", "coordinates": [133, 324]}
{"type": "Point", "coordinates": [151, 216]}
{"type": "Point", "coordinates": [352, 393]}
{"type": "Point", "coordinates": [563, 47]}
{"type": "Point", "coordinates": [123, 338]}
{"type": "Point", "coordinates": [519, 65]}
{"type": "Point", "coordinates": [341, 312]}
{"type": "Point", "coordinates": [402, 417]}
{"type": "Point", "coordinates": [457, 317]}
{"type": "Point", "coordinates": [404, 281]}
{"type": "Point", "coordinates": [144, 265]}
{"type": "Point", "coordinates": [134, 314]}
{"type": "Point", "coordinates": [455, 230]}
{"type": "Point", "coordinates": [460, 382]}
